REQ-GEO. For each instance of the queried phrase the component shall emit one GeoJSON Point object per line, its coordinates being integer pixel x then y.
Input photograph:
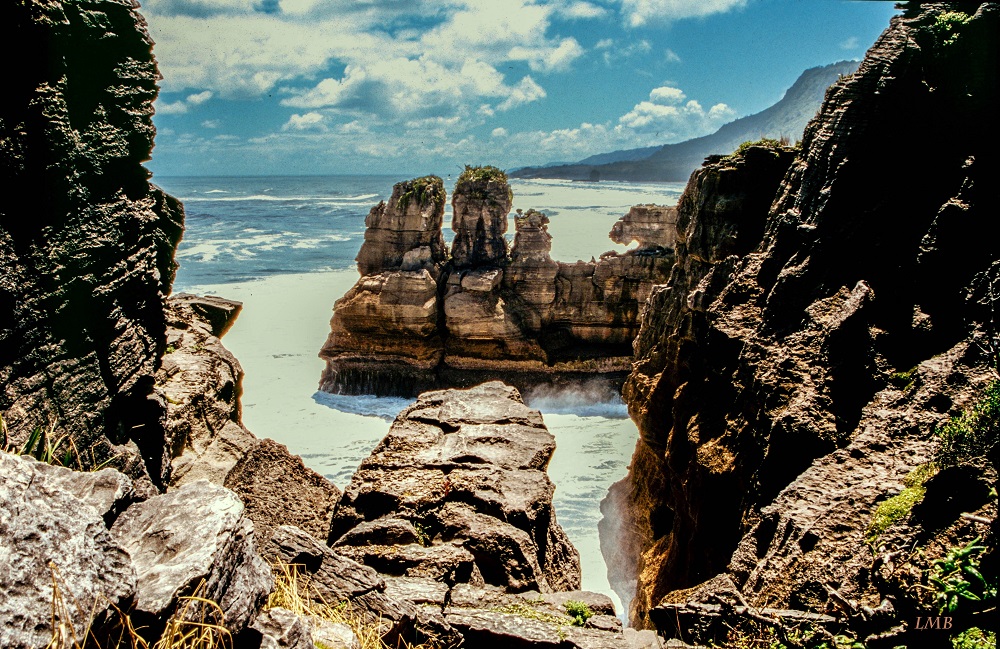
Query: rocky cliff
{"type": "Point", "coordinates": [767, 387]}
{"type": "Point", "coordinates": [86, 242]}
{"type": "Point", "coordinates": [420, 320]}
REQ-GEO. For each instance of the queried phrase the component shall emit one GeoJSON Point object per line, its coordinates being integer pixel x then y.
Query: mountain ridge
{"type": "Point", "coordinates": [675, 162]}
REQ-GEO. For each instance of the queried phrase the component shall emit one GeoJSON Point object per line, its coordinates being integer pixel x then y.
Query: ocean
{"type": "Point", "coordinates": [285, 247]}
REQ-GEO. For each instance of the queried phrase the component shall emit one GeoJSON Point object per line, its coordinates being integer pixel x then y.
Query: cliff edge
{"type": "Point", "coordinates": [826, 313]}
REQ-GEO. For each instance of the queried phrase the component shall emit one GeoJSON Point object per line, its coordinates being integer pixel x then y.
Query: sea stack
{"type": "Point", "coordinates": [418, 320]}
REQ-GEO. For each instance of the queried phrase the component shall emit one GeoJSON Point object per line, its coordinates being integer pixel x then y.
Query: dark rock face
{"type": "Point", "coordinates": [457, 492]}
{"type": "Point", "coordinates": [415, 324]}
{"type": "Point", "coordinates": [769, 425]}
{"type": "Point", "coordinates": [279, 489]}
{"type": "Point", "coordinates": [84, 270]}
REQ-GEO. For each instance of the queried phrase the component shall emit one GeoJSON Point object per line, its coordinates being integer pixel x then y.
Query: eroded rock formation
{"type": "Point", "coordinates": [486, 313]}
{"type": "Point", "coordinates": [770, 424]}
{"type": "Point", "coordinates": [457, 493]}
{"type": "Point", "coordinates": [84, 269]}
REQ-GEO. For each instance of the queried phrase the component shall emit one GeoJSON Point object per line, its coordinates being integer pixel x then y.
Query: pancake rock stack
{"type": "Point", "coordinates": [489, 312]}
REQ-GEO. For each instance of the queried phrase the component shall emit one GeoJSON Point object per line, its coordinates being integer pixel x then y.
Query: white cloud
{"type": "Point", "coordinates": [546, 58]}
{"type": "Point", "coordinates": [667, 95]}
{"type": "Point", "coordinates": [210, 123]}
{"type": "Point", "coordinates": [671, 56]}
{"type": "Point", "coordinates": [499, 132]}
{"type": "Point", "coordinates": [172, 108]}
{"type": "Point", "coordinates": [604, 44]}
{"type": "Point", "coordinates": [850, 43]}
{"type": "Point", "coordinates": [615, 55]}
{"type": "Point", "coordinates": [311, 121]}
{"type": "Point", "coordinates": [525, 92]}
{"type": "Point", "coordinates": [641, 12]}
{"type": "Point", "coordinates": [385, 67]}
{"type": "Point", "coordinates": [199, 98]}
{"type": "Point", "coordinates": [581, 11]}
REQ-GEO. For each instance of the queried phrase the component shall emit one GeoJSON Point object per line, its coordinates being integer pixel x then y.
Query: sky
{"type": "Point", "coordinates": [410, 87]}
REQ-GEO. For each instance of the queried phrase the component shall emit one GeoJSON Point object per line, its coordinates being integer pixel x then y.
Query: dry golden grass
{"type": "Point", "coordinates": [293, 591]}
{"type": "Point", "coordinates": [197, 624]}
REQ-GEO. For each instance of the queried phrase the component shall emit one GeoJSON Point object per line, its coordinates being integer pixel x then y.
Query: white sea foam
{"type": "Point", "coordinates": [385, 408]}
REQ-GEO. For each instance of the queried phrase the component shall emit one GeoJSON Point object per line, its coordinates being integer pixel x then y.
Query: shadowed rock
{"type": "Point", "coordinates": [86, 242]}
{"type": "Point", "coordinates": [480, 203]}
{"type": "Point", "coordinates": [770, 423]}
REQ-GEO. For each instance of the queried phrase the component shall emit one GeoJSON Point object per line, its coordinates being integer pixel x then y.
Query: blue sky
{"type": "Point", "coordinates": [258, 87]}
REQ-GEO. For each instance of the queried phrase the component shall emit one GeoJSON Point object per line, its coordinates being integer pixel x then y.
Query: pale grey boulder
{"type": "Point", "coordinates": [277, 628]}
{"type": "Point", "coordinates": [52, 531]}
{"type": "Point", "coordinates": [197, 533]}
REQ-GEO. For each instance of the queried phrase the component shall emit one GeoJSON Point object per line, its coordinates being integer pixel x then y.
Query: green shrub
{"type": "Point", "coordinates": [973, 433]}
{"type": "Point", "coordinates": [478, 174]}
{"type": "Point", "coordinates": [946, 25]}
{"type": "Point", "coordinates": [426, 189]}
{"type": "Point", "coordinates": [975, 638]}
{"type": "Point", "coordinates": [579, 611]}
{"type": "Point", "coordinates": [956, 577]}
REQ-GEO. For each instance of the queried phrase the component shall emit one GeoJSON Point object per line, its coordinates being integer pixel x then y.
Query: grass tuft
{"type": "Point", "coordinates": [972, 434]}
{"type": "Point", "coordinates": [293, 591]}
{"type": "Point", "coordinates": [579, 611]}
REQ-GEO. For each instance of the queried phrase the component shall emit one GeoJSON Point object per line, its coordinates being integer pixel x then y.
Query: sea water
{"type": "Point", "coordinates": [285, 247]}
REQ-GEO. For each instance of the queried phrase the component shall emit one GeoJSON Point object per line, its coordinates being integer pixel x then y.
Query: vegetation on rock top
{"type": "Point", "coordinates": [424, 190]}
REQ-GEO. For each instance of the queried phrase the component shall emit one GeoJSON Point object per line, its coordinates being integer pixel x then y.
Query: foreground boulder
{"type": "Point", "coordinates": [457, 492]}
{"type": "Point", "coordinates": [195, 540]}
{"type": "Point", "coordinates": [53, 536]}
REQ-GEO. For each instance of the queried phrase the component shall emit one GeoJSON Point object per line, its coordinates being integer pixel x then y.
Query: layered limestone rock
{"type": "Point", "coordinates": [202, 383]}
{"type": "Point", "coordinates": [651, 226]}
{"type": "Point", "coordinates": [406, 231]}
{"type": "Point", "coordinates": [457, 493]}
{"type": "Point", "coordinates": [84, 269]}
{"type": "Point", "coordinates": [480, 203]}
{"type": "Point", "coordinates": [385, 329]}
{"type": "Point", "coordinates": [770, 422]}
{"type": "Point", "coordinates": [525, 319]}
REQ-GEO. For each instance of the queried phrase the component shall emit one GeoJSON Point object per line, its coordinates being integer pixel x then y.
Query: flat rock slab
{"type": "Point", "coordinates": [52, 529]}
{"type": "Point", "coordinates": [196, 534]}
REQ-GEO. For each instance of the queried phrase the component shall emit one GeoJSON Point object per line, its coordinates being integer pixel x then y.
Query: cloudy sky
{"type": "Point", "coordinates": [425, 86]}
